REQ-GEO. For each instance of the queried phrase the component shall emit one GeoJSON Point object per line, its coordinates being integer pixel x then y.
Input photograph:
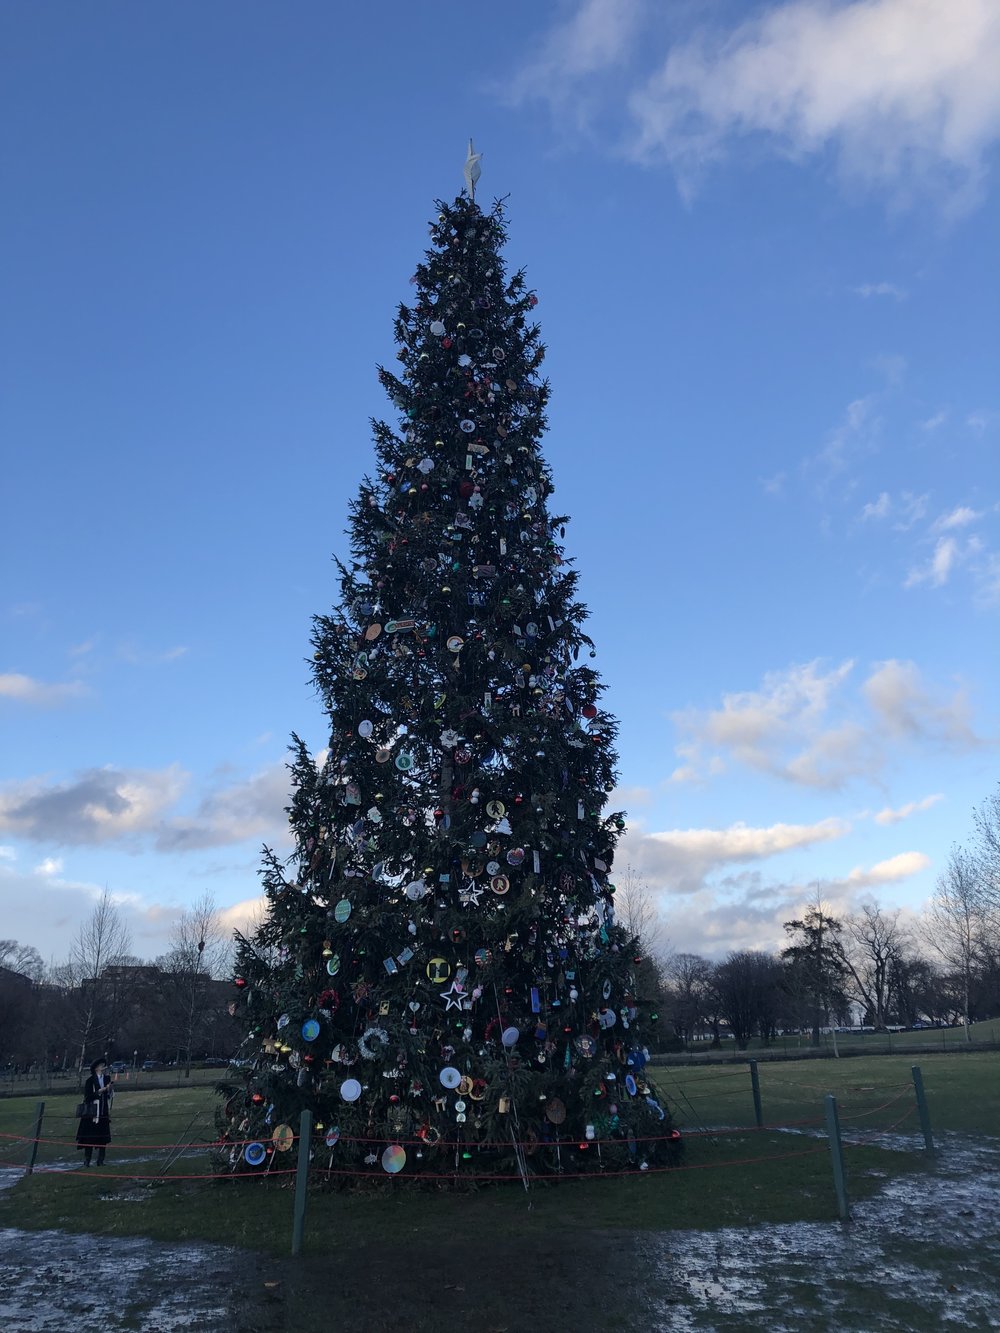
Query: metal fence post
{"type": "Point", "coordinates": [35, 1136]}
{"type": "Point", "coordinates": [755, 1084]}
{"type": "Point", "coordinates": [301, 1182]}
{"type": "Point", "coordinates": [837, 1154]}
{"type": "Point", "coordinates": [925, 1119]}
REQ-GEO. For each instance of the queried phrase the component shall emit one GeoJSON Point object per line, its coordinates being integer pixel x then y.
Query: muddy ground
{"type": "Point", "coordinates": [923, 1254]}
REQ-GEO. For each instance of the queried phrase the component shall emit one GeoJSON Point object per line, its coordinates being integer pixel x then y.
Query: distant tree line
{"type": "Point", "coordinates": [863, 969]}
{"type": "Point", "coordinates": [104, 1001]}
{"type": "Point", "coordinates": [867, 968]}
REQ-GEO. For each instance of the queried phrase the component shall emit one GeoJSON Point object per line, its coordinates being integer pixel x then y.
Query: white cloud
{"type": "Point", "coordinates": [911, 509]}
{"type": "Point", "coordinates": [242, 915]}
{"type": "Point", "coordinates": [778, 729]}
{"type": "Point", "coordinates": [898, 867]}
{"type": "Point", "coordinates": [979, 422]}
{"type": "Point", "coordinates": [950, 553]}
{"type": "Point", "coordinates": [27, 690]}
{"type": "Point", "coordinates": [932, 423]}
{"type": "Point", "coordinates": [249, 809]}
{"type": "Point", "coordinates": [857, 434]}
{"type": "Point", "coordinates": [744, 911]}
{"type": "Point", "coordinates": [622, 798]}
{"type": "Point", "coordinates": [988, 581]}
{"type": "Point", "coordinates": [100, 805]}
{"type": "Point", "coordinates": [52, 865]}
{"type": "Point", "coordinates": [7, 854]}
{"type": "Point", "coordinates": [803, 726]}
{"type": "Point", "coordinates": [937, 570]}
{"type": "Point", "coordinates": [135, 655]}
{"type": "Point", "coordinates": [774, 485]}
{"type": "Point", "coordinates": [959, 517]}
{"type": "Point", "coordinates": [598, 37]}
{"type": "Point", "coordinates": [678, 861]}
{"type": "Point", "coordinates": [903, 92]}
{"type": "Point", "coordinates": [869, 289]}
{"type": "Point", "coordinates": [890, 816]}
{"type": "Point", "coordinates": [905, 708]}
{"type": "Point", "coordinates": [906, 510]}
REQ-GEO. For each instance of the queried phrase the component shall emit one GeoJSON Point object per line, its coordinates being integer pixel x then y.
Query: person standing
{"type": "Point", "coordinates": [94, 1130]}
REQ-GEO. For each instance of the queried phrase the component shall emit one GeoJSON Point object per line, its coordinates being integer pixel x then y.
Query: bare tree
{"type": "Point", "coordinates": [689, 982]}
{"type": "Point", "coordinates": [955, 923]}
{"type": "Point", "coordinates": [636, 912]}
{"type": "Point", "coordinates": [749, 985]}
{"type": "Point", "coordinates": [22, 958]}
{"type": "Point", "coordinates": [986, 850]}
{"type": "Point", "coordinates": [102, 941]}
{"type": "Point", "coordinates": [873, 941]}
{"type": "Point", "coordinates": [199, 952]}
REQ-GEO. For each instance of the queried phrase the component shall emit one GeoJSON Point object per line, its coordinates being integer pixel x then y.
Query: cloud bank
{"type": "Point", "coordinates": [803, 726]}
{"type": "Point", "coordinates": [135, 807]}
{"type": "Point", "coordinates": [897, 94]}
{"type": "Point", "coordinates": [38, 693]}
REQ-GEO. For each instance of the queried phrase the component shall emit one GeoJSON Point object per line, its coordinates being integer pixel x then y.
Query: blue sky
{"type": "Point", "coordinates": [764, 242]}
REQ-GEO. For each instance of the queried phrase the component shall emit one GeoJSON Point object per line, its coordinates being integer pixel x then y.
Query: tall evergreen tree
{"type": "Point", "coordinates": [439, 975]}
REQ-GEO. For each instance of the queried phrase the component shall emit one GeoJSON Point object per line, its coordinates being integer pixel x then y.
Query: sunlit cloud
{"type": "Point", "coordinates": [890, 816]}
{"type": "Point", "coordinates": [680, 860]}
{"type": "Point", "coordinates": [869, 289]}
{"type": "Point", "coordinates": [99, 805]}
{"type": "Point", "coordinates": [37, 693]}
{"type": "Point", "coordinates": [806, 727]}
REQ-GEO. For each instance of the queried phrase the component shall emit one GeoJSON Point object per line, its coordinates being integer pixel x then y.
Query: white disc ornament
{"type": "Point", "coordinates": [350, 1090]}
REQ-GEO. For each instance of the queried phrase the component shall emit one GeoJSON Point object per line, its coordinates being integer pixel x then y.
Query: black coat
{"type": "Point", "coordinates": [94, 1130]}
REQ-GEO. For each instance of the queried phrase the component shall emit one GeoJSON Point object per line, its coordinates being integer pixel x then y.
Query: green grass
{"type": "Point", "coordinates": [159, 1115]}
{"type": "Point", "coordinates": [963, 1092]}
{"type": "Point", "coordinates": [403, 1256]}
{"type": "Point", "coordinates": [874, 1043]}
{"type": "Point", "coordinates": [721, 1182]}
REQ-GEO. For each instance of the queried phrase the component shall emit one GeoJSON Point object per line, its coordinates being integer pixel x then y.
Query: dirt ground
{"type": "Point", "coordinates": [922, 1255]}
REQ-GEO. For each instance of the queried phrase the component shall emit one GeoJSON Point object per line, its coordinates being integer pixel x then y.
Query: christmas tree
{"type": "Point", "coordinates": [439, 976]}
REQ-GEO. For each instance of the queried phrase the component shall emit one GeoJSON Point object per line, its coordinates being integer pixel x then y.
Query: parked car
{"type": "Point", "coordinates": [119, 1066]}
{"type": "Point", "coordinates": [149, 1065]}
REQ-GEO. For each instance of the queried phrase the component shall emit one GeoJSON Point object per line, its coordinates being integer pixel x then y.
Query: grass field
{"type": "Point", "coordinates": [854, 1043]}
{"type": "Point", "coordinates": [403, 1256]}
{"type": "Point", "coordinates": [744, 1176]}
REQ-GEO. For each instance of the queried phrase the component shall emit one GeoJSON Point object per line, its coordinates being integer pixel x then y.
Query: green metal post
{"type": "Point", "coordinates": [837, 1155]}
{"type": "Point", "coordinates": [925, 1119]}
{"type": "Point", "coordinates": [755, 1084]}
{"type": "Point", "coordinates": [301, 1182]}
{"type": "Point", "coordinates": [35, 1136]}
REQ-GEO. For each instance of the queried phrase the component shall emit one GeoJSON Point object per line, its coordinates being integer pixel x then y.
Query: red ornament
{"type": "Point", "coordinates": [589, 710]}
{"type": "Point", "coordinates": [466, 488]}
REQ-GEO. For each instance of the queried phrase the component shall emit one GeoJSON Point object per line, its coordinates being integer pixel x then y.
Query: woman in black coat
{"type": "Point", "coordinates": [95, 1127]}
